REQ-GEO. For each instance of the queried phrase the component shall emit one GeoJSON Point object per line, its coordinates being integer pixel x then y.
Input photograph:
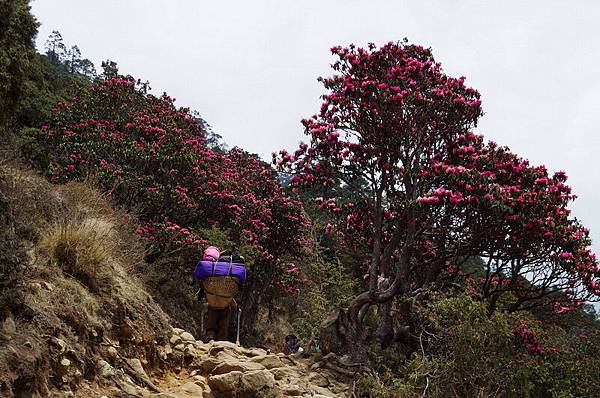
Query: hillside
{"type": "Point", "coordinates": [77, 316]}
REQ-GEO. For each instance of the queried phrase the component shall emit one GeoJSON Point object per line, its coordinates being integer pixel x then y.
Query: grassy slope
{"type": "Point", "coordinates": [68, 289]}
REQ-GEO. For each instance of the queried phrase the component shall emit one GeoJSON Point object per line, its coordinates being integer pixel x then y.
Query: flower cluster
{"type": "Point", "coordinates": [529, 338]}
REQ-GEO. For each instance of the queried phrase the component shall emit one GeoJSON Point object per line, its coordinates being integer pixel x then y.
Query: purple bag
{"type": "Point", "coordinates": [204, 269]}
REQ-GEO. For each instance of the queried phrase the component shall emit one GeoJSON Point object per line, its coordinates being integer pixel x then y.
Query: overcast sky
{"type": "Point", "coordinates": [250, 67]}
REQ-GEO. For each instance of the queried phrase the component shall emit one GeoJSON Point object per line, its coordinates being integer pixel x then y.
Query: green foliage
{"type": "Point", "coordinates": [464, 352]}
{"type": "Point", "coordinates": [329, 287]}
{"type": "Point", "coordinates": [48, 79]}
{"type": "Point", "coordinates": [45, 85]}
{"type": "Point", "coordinates": [371, 385]}
{"type": "Point", "coordinates": [17, 31]}
{"type": "Point", "coordinates": [477, 354]}
{"type": "Point", "coordinates": [573, 370]}
{"type": "Point", "coordinates": [329, 270]}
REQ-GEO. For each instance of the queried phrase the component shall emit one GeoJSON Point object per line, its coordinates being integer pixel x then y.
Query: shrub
{"type": "Point", "coordinates": [82, 248]}
{"type": "Point", "coordinates": [464, 352]}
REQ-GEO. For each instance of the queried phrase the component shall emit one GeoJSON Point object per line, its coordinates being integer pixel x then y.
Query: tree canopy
{"type": "Point", "coordinates": [18, 28]}
{"type": "Point", "coordinates": [432, 193]}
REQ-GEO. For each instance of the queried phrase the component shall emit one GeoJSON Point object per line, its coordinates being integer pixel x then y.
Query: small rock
{"type": "Point", "coordinates": [227, 382]}
{"type": "Point", "coordinates": [228, 356]}
{"type": "Point", "coordinates": [187, 336]}
{"type": "Point", "coordinates": [180, 347]}
{"type": "Point", "coordinates": [322, 392]}
{"type": "Point", "coordinates": [255, 352]}
{"type": "Point", "coordinates": [192, 389]}
{"type": "Point", "coordinates": [201, 381]}
{"type": "Point", "coordinates": [291, 389]}
{"type": "Point", "coordinates": [63, 367]}
{"type": "Point", "coordinates": [175, 339]}
{"type": "Point", "coordinates": [288, 361]}
{"type": "Point", "coordinates": [28, 344]}
{"type": "Point", "coordinates": [112, 352]}
{"type": "Point", "coordinates": [318, 380]}
{"type": "Point", "coordinates": [9, 326]}
{"type": "Point", "coordinates": [58, 343]}
{"type": "Point", "coordinates": [205, 365]}
{"type": "Point", "coordinates": [104, 369]}
{"type": "Point", "coordinates": [230, 366]}
{"type": "Point", "coordinates": [178, 330]}
{"type": "Point", "coordinates": [190, 351]}
{"type": "Point", "coordinates": [258, 380]}
{"type": "Point", "coordinates": [284, 373]}
{"type": "Point", "coordinates": [219, 346]}
{"type": "Point", "coordinates": [168, 349]}
{"type": "Point", "coordinates": [268, 361]}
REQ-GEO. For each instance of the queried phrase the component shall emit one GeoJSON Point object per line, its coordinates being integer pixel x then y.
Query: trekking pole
{"type": "Point", "coordinates": [237, 338]}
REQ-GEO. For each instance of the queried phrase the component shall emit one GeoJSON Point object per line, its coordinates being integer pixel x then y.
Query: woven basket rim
{"type": "Point", "coordinates": [222, 286]}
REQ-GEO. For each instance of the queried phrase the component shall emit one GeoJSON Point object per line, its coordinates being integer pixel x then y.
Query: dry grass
{"type": "Point", "coordinates": [83, 249]}
{"type": "Point", "coordinates": [72, 225]}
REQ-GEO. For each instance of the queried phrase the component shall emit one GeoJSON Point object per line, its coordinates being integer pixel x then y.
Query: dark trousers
{"type": "Point", "coordinates": [217, 323]}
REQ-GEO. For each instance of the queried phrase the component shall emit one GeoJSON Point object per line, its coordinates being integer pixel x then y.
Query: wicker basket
{"type": "Point", "coordinates": [220, 290]}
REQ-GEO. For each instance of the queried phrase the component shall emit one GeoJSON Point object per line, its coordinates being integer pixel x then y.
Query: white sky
{"type": "Point", "coordinates": [250, 67]}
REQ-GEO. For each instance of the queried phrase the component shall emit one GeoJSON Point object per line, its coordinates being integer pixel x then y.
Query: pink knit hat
{"type": "Point", "coordinates": [211, 254]}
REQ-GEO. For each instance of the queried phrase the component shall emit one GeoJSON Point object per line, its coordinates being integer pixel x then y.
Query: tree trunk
{"type": "Point", "coordinates": [385, 330]}
{"type": "Point", "coordinates": [338, 336]}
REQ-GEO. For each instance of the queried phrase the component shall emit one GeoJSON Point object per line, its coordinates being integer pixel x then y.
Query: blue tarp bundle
{"type": "Point", "coordinates": [204, 269]}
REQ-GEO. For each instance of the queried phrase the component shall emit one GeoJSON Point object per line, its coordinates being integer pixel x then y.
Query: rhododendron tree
{"type": "Point", "coordinates": [429, 194]}
{"type": "Point", "coordinates": [152, 157]}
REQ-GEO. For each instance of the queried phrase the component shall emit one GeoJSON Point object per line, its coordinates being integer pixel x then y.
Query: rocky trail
{"type": "Point", "coordinates": [216, 369]}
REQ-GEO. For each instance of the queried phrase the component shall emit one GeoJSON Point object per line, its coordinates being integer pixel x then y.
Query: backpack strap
{"type": "Point", "coordinates": [230, 266]}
